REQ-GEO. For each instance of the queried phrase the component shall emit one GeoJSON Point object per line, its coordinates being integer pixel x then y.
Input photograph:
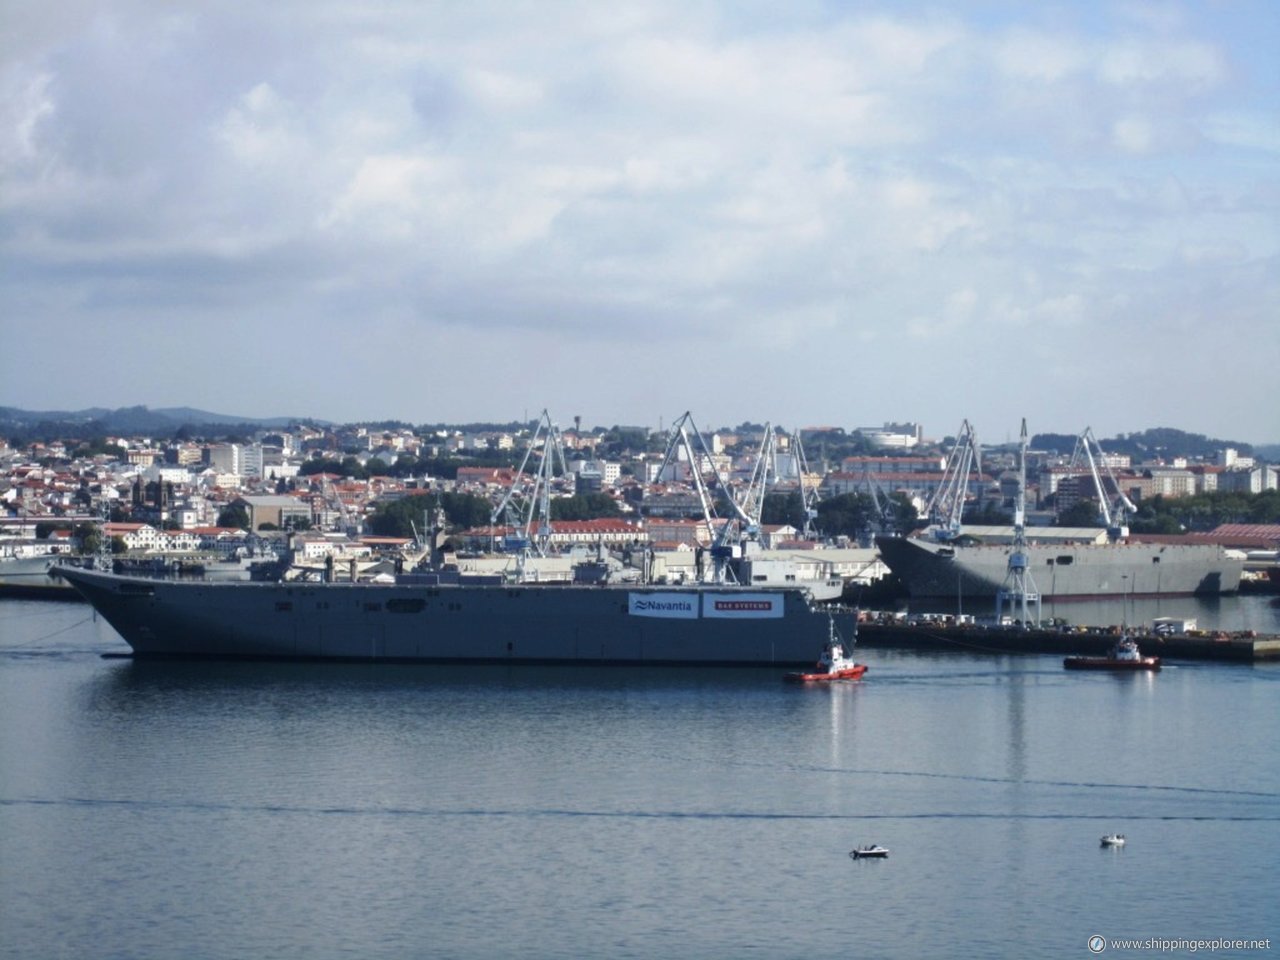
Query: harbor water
{"type": "Point", "coordinates": [310, 810]}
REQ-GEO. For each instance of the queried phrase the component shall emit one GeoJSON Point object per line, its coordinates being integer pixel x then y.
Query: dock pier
{"type": "Point", "coordinates": [1239, 647]}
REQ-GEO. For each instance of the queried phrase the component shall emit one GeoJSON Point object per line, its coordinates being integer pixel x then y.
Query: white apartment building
{"type": "Point", "coordinates": [227, 458]}
{"type": "Point", "coordinates": [1231, 459]}
{"type": "Point", "coordinates": [1250, 480]}
{"type": "Point", "coordinates": [893, 436]}
{"type": "Point", "coordinates": [251, 460]}
{"type": "Point", "coordinates": [166, 474]}
{"type": "Point", "coordinates": [607, 470]}
{"type": "Point", "coordinates": [138, 537]}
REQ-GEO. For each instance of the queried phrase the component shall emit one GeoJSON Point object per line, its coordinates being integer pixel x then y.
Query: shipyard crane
{"type": "Point", "coordinates": [808, 496]}
{"type": "Point", "coordinates": [333, 499]}
{"type": "Point", "coordinates": [752, 506]}
{"type": "Point", "coordinates": [685, 439]}
{"type": "Point", "coordinates": [1019, 587]}
{"type": "Point", "coordinates": [679, 442]}
{"type": "Point", "coordinates": [766, 474]}
{"type": "Point", "coordinates": [883, 504]}
{"type": "Point", "coordinates": [946, 507]}
{"type": "Point", "coordinates": [1115, 507]}
{"type": "Point", "coordinates": [538, 505]}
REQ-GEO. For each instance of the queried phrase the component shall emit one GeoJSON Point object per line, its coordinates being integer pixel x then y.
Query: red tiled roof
{"type": "Point", "coordinates": [1247, 530]}
{"type": "Point", "coordinates": [1243, 536]}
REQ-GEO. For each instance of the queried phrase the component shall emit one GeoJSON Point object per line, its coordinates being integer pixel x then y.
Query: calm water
{"type": "Point", "coordinates": [310, 811]}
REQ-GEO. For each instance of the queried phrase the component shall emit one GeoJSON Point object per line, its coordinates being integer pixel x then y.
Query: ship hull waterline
{"type": "Point", "coordinates": [705, 625]}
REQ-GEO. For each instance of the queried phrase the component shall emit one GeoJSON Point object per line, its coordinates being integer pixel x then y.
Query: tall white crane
{"type": "Point", "coordinates": [885, 520]}
{"type": "Point", "coordinates": [536, 504]}
{"type": "Point", "coordinates": [1115, 508]}
{"type": "Point", "coordinates": [1019, 587]}
{"type": "Point", "coordinates": [333, 498]}
{"type": "Point", "coordinates": [808, 496]}
{"type": "Point", "coordinates": [686, 440]}
{"type": "Point", "coordinates": [946, 507]}
{"type": "Point", "coordinates": [680, 442]}
{"type": "Point", "coordinates": [764, 473]}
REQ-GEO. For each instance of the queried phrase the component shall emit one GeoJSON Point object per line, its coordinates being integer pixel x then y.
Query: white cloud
{"type": "Point", "coordinates": [1039, 56]}
{"type": "Point", "coordinates": [1185, 62]}
{"type": "Point", "coordinates": [686, 178]}
{"type": "Point", "coordinates": [1132, 134]}
{"type": "Point", "coordinates": [25, 102]}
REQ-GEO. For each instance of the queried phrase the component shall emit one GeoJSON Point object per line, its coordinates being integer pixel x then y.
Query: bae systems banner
{"type": "Point", "coordinates": [742, 605]}
{"type": "Point", "coordinates": [682, 606]}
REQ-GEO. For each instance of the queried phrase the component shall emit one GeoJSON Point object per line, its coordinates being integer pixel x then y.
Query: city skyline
{"type": "Point", "coordinates": [820, 214]}
{"type": "Point", "coordinates": [176, 418]}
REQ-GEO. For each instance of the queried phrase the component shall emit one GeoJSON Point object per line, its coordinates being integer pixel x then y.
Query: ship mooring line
{"type": "Point", "coordinates": [49, 636]}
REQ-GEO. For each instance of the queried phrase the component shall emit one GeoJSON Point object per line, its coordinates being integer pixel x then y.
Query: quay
{"type": "Point", "coordinates": [1239, 647]}
{"type": "Point", "coordinates": [46, 589]}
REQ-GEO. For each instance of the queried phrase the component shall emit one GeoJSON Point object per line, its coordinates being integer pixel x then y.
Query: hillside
{"type": "Point", "coordinates": [99, 421]}
{"type": "Point", "coordinates": [1156, 443]}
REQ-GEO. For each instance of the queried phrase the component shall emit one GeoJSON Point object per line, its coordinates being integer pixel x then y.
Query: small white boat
{"type": "Point", "coordinates": [1113, 840]}
{"type": "Point", "coordinates": [874, 851]}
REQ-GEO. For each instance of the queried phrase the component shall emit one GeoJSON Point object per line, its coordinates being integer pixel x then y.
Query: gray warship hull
{"type": "Point", "coordinates": [1063, 571]}
{"type": "Point", "coordinates": [533, 623]}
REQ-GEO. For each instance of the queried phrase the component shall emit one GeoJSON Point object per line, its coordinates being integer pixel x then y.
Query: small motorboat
{"type": "Point", "coordinates": [1113, 840]}
{"type": "Point", "coordinates": [834, 664]}
{"type": "Point", "coordinates": [871, 852]}
{"type": "Point", "coordinates": [1125, 655]}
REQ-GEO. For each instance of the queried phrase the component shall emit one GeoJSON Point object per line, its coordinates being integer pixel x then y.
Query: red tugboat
{"type": "Point", "coordinates": [1123, 656]}
{"type": "Point", "coordinates": [834, 664]}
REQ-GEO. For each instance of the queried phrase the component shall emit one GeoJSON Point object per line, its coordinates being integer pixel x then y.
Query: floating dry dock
{"type": "Point", "coordinates": [1244, 646]}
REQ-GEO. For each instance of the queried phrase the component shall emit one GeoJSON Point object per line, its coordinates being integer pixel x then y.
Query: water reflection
{"type": "Point", "coordinates": [129, 676]}
{"type": "Point", "coordinates": [1017, 709]}
{"type": "Point", "coordinates": [842, 700]}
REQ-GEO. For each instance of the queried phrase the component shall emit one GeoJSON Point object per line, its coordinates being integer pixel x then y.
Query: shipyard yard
{"type": "Point", "coordinates": [587, 482]}
{"type": "Point", "coordinates": [688, 558]}
{"type": "Point", "coordinates": [574, 735]}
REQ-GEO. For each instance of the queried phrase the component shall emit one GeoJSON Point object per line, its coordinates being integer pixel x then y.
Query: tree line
{"type": "Point", "coordinates": [1204, 511]}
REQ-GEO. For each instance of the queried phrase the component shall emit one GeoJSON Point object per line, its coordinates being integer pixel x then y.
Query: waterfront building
{"type": "Point", "coordinates": [892, 436]}
{"type": "Point", "coordinates": [137, 537]}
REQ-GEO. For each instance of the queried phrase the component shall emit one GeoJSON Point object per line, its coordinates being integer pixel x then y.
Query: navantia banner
{"type": "Point", "coordinates": [678, 606]}
{"type": "Point", "coordinates": [742, 606]}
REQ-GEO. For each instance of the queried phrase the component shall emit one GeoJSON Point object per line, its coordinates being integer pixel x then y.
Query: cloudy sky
{"type": "Point", "coordinates": [806, 213]}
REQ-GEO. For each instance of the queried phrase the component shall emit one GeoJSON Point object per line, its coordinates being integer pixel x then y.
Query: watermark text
{"type": "Point", "coordinates": [1100, 944]}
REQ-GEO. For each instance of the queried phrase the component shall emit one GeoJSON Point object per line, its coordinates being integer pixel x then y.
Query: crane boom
{"type": "Point", "coordinates": [946, 507]}
{"type": "Point", "coordinates": [1115, 508]}
{"type": "Point", "coordinates": [538, 504]}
